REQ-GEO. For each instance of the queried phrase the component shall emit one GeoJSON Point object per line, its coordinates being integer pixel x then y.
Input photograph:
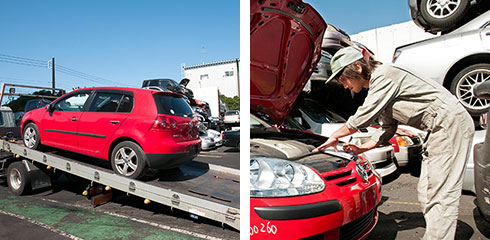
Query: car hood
{"type": "Point", "coordinates": [285, 45]}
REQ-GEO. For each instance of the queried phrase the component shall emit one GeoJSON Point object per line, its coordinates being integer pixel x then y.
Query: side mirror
{"type": "Point", "coordinates": [49, 108]}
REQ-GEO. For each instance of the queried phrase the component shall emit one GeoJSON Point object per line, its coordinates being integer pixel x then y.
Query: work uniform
{"type": "Point", "coordinates": [398, 96]}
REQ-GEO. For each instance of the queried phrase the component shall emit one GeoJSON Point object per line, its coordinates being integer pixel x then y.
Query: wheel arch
{"type": "Point", "coordinates": [463, 63]}
{"type": "Point", "coordinates": [117, 141]}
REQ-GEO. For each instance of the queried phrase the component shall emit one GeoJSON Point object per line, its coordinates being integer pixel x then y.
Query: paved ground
{"type": "Point", "coordinates": [63, 213]}
{"type": "Point", "coordinates": [401, 217]}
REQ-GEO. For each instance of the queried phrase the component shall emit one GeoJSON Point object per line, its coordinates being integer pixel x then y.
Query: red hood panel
{"type": "Point", "coordinates": [285, 44]}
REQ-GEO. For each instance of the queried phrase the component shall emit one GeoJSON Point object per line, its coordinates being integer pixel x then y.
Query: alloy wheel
{"type": "Point", "coordinates": [464, 89]}
{"type": "Point", "coordinates": [442, 8]}
{"type": "Point", "coordinates": [30, 137]}
{"type": "Point", "coordinates": [126, 161]}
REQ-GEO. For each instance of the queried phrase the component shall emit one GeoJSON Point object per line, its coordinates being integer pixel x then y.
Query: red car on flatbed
{"type": "Point", "coordinates": [133, 128]}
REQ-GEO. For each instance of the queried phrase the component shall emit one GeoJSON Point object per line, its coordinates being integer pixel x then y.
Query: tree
{"type": "Point", "coordinates": [232, 103]}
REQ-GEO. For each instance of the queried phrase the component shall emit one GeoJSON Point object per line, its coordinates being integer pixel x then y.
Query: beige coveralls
{"type": "Point", "coordinates": [398, 96]}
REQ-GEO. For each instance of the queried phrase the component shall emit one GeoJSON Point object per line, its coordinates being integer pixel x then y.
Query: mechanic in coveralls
{"type": "Point", "coordinates": [398, 96]}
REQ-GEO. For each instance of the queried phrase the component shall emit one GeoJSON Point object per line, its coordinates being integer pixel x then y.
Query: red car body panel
{"type": "Point", "coordinates": [286, 38]}
{"type": "Point", "coordinates": [285, 47]}
{"type": "Point", "coordinates": [357, 200]}
{"type": "Point", "coordinates": [94, 133]}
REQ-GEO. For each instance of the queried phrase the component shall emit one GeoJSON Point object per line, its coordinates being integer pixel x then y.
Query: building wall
{"type": "Point", "coordinates": [383, 41]}
{"type": "Point", "coordinates": [223, 75]}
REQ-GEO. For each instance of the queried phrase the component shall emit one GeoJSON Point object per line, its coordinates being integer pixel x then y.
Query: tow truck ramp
{"type": "Point", "coordinates": [203, 190]}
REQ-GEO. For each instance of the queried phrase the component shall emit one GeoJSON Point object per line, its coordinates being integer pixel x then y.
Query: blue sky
{"type": "Point", "coordinates": [115, 42]}
{"type": "Point", "coordinates": [354, 16]}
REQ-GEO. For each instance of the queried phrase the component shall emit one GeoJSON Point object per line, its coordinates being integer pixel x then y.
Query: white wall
{"type": "Point", "coordinates": [383, 41]}
{"type": "Point", "coordinates": [227, 85]}
{"type": "Point", "coordinates": [211, 96]}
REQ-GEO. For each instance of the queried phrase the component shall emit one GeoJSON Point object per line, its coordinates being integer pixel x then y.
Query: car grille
{"type": "Point", "coordinates": [345, 177]}
{"type": "Point", "coordinates": [356, 227]}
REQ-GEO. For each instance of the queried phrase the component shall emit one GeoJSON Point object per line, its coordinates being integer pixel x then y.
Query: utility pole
{"type": "Point", "coordinates": [52, 69]}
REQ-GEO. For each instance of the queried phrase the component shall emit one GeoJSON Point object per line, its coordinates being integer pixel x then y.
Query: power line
{"type": "Point", "coordinates": [44, 64]}
{"type": "Point", "coordinates": [21, 58]}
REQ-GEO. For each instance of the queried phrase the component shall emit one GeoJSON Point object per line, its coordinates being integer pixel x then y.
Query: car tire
{"type": "Point", "coordinates": [31, 136]}
{"type": "Point", "coordinates": [18, 179]}
{"type": "Point", "coordinates": [462, 87]}
{"type": "Point", "coordinates": [444, 18]}
{"type": "Point", "coordinates": [128, 159]}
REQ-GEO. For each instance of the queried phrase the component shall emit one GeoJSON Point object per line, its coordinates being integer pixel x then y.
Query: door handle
{"type": "Point", "coordinates": [114, 121]}
{"type": "Point", "coordinates": [487, 34]}
{"type": "Point", "coordinates": [74, 119]}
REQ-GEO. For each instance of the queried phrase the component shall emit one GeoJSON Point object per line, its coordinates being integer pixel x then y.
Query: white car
{"type": "Point", "coordinates": [218, 140]}
{"type": "Point", "coordinates": [457, 60]}
{"type": "Point", "coordinates": [207, 141]}
{"type": "Point", "coordinates": [232, 117]}
{"type": "Point", "coordinates": [320, 120]}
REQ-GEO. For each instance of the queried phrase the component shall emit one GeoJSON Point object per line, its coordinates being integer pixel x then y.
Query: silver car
{"type": "Point", "coordinates": [457, 60]}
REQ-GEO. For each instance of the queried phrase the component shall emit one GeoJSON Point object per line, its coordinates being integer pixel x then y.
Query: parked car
{"type": "Point", "coordinates": [166, 84]}
{"type": "Point", "coordinates": [232, 117]}
{"type": "Point", "coordinates": [231, 139]}
{"type": "Point", "coordinates": [295, 193]}
{"type": "Point", "coordinates": [36, 103]}
{"type": "Point", "coordinates": [207, 142]}
{"type": "Point", "coordinates": [443, 16]}
{"type": "Point", "coordinates": [133, 128]}
{"type": "Point", "coordinates": [218, 139]}
{"type": "Point", "coordinates": [457, 60]}
{"type": "Point", "coordinates": [316, 117]}
{"type": "Point", "coordinates": [482, 161]}
{"type": "Point", "coordinates": [8, 126]}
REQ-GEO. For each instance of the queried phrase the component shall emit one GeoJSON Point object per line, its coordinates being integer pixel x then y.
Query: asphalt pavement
{"type": "Point", "coordinates": [400, 215]}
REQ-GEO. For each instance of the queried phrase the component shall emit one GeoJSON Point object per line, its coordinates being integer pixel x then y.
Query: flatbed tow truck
{"type": "Point", "coordinates": [200, 189]}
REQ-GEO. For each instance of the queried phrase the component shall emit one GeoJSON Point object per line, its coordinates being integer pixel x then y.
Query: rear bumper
{"type": "Point", "coordinates": [170, 160]}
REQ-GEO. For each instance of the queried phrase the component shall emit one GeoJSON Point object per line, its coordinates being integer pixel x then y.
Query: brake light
{"type": "Point", "coordinates": [164, 123]}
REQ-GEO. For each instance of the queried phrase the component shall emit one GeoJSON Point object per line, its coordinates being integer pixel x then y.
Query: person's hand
{"type": "Point", "coordinates": [331, 142]}
{"type": "Point", "coordinates": [352, 148]}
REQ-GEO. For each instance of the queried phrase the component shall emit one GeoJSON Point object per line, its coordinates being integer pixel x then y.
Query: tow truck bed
{"type": "Point", "coordinates": [202, 189]}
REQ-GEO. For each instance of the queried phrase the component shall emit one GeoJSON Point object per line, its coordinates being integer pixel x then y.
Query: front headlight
{"type": "Point", "coordinates": [272, 177]}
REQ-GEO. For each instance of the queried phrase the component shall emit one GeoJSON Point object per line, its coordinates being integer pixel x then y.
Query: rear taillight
{"type": "Point", "coordinates": [164, 123]}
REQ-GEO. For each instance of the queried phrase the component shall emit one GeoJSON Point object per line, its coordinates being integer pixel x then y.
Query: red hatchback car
{"type": "Point", "coordinates": [294, 193]}
{"type": "Point", "coordinates": [133, 128]}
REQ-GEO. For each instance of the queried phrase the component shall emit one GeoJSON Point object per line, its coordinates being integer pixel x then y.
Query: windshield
{"type": "Point", "coordinates": [320, 113]}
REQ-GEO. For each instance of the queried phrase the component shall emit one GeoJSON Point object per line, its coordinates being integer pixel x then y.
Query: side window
{"type": "Point", "coordinates": [105, 102]}
{"type": "Point", "coordinates": [126, 104]}
{"type": "Point", "coordinates": [72, 104]}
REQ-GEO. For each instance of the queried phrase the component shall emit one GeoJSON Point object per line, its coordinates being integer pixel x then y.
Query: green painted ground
{"type": "Point", "coordinates": [84, 223]}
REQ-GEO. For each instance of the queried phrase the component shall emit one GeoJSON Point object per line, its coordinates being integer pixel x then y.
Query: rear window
{"type": "Point", "coordinates": [171, 105]}
{"type": "Point", "coordinates": [231, 113]}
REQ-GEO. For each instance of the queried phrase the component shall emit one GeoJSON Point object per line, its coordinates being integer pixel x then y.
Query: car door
{"type": "Point", "coordinates": [60, 125]}
{"type": "Point", "coordinates": [107, 111]}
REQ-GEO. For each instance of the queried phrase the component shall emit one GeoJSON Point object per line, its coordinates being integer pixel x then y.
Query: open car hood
{"type": "Point", "coordinates": [285, 44]}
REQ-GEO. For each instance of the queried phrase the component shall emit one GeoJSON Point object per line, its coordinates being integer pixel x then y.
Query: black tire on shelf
{"type": "Point", "coordinates": [462, 87]}
{"type": "Point", "coordinates": [18, 179]}
{"type": "Point", "coordinates": [31, 136]}
{"type": "Point", "coordinates": [447, 18]}
{"type": "Point", "coordinates": [128, 159]}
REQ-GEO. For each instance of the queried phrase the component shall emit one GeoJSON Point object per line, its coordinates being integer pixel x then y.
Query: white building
{"type": "Point", "coordinates": [224, 75]}
{"type": "Point", "coordinates": [383, 41]}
